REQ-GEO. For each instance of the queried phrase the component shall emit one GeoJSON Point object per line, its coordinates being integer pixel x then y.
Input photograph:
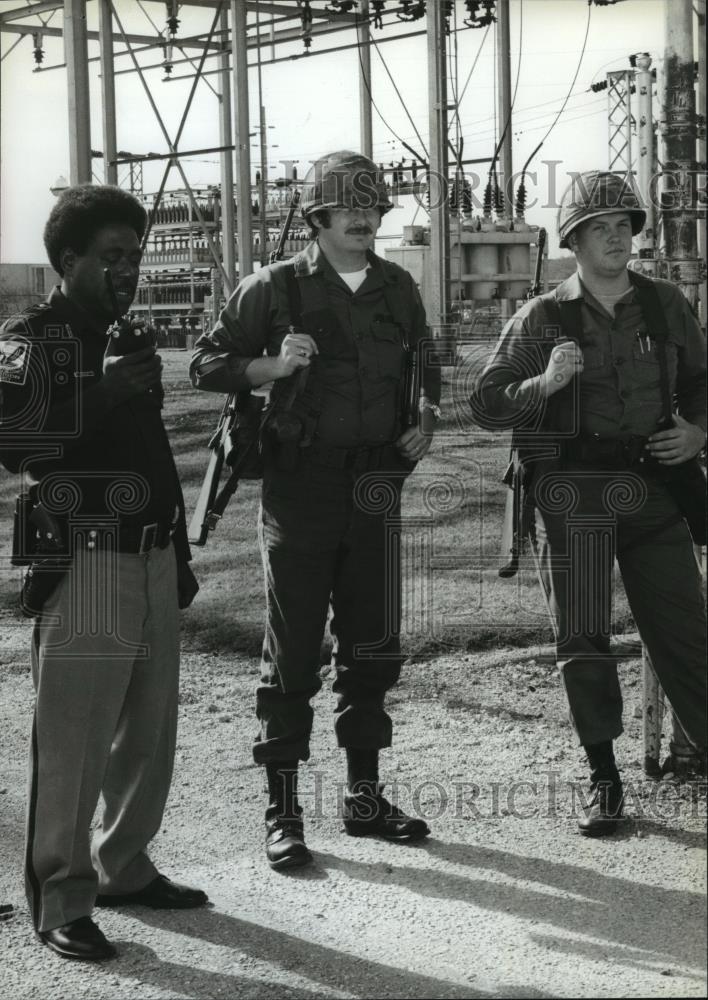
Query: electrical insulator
{"type": "Point", "coordinates": [452, 199]}
{"type": "Point", "coordinates": [472, 13]}
{"type": "Point", "coordinates": [411, 10]}
{"type": "Point", "coordinates": [172, 19]}
{"type": "Point", "coordinates": [487, 203]}
{"type": "Point", "coordinates": [521, 200]}
{"type": "Point", "coordinates": [38, 49]}
{"type": "Point", "coordinates": [377, 7]}
{"type": "Point", "coordinates": [467, 199]}
{"type": "Point", "coordinates": [498, 200]}
{"type": "Point", "coordinates": [167, 61]}
{"type": "Point", "coordinates": [306, 19]}
{"type": "Point", "coordinates": [341, 6]}
{"type": "Point", "coordinates": [447, 13]}
{"type": "Point", "coordinates": [480, 13]}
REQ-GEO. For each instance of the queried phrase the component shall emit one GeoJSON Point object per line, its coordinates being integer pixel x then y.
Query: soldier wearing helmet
{"type": "Point", "coordinates": [603, 382]}
{"type": "Point", "coordinates": [331, 328]}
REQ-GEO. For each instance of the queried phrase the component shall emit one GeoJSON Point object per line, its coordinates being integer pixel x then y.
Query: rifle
{"type": "Point", "coordinates": [295, 384]}
{"type": "Point", "coordinates": [411, 389]}
{"type": "Point", "coordinates": [535, 288]}
{"type": "Point", "coordinates": [512, 539]}
{"type": "Point", "coordinates": [202, 522]}
{"type": "Point", "coordinates": [514, 529]}
{"type": "Point", "coordinates": [235, 444]}
{"type": "Point", "coordinates": [277, 254]}
{"type": "Point", "coordinates": [244, 407]}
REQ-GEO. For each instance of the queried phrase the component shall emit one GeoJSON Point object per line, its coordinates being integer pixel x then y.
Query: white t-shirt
{"type": "Point", "coordinates": [355, 279]}
{"type": "Point", "coordinates": [610, 301]}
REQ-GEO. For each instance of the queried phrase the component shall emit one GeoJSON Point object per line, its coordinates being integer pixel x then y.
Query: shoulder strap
{"type": "Point", "coordinates": [655, 319]}
{"type": "Point", "coordinates": [397, 305]}
{"type": "Point", "coordinates": [294, 296]}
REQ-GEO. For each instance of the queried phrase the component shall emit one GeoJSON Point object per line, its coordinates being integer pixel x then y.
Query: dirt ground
{"type": "Point", "coordinates": [504, 900]}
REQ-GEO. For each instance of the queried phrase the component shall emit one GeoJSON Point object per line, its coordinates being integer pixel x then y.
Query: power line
{"type": "Point", "coordinates": [570, 90]}
{"type": "Point", "coordinates": [376, 107]}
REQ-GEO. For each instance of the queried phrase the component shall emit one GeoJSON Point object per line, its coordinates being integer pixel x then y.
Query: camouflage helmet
{"type": "Point", "coordinates": [597, 192]}
{"type": "Point", "coordinates": [344, 180]}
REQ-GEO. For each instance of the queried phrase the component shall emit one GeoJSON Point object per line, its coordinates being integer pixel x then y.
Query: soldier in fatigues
{"type": "Point", "coordinates": [603, 381]}
{"type": "Point", "coordinates": [335, 461]}
{"type": "Point", "coordinates": [82, 424]}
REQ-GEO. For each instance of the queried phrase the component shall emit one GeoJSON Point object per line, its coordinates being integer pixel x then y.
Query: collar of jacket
{"type": "Point", "coordinates": [573, 288]}
{"type": "Point", "coordinates": [72, 314]}
{"type": "Point", "coordinates": [312, 261]}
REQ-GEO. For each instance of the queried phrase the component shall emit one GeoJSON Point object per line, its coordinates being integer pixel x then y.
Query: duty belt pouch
{"type": "Point", "coordinates": [48, 564]}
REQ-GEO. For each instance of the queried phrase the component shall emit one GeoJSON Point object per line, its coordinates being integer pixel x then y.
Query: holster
{"type": "Point", "coordinates": [39, 542]}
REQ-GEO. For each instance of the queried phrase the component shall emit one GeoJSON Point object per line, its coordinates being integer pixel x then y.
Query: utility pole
{"type": "Point", "coordinates": [365, 124]}
{"type": "Point", "coordinates": [263, 186]}
{"type": "Point", "coordinates": [701, 152]}
{"type": "Point", "coordinates": [76, 58]}
{"type": "Point", "coordinates": [645, 153]}
{"type": "Point", "coordinates": [239, 13]}
{"type": "Point", "coordinates": [438, 169]}
{"type": "Point", "coordinates": [108, 91]}
{"type": "Point", "coordinates": [503, 42]}
{"type": "Point", "coordinates": [228, 240]}
{"type": "Point", "coordinates": [678, 197]}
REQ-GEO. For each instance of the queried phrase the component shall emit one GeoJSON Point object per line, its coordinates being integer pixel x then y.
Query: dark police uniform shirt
{"type": "Point", "coordinates": [620, 392]}
{"type": "Point", "coordinates": [57, 420]}
{"type": "Point", "coordinates": [360, 362]}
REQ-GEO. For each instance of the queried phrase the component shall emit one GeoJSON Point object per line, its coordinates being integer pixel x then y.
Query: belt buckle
{"type": "Point", "coordinates": [148, 539]}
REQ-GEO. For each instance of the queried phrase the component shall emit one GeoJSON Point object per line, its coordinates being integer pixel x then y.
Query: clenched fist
{"type": "Point", "coordinates": [295, 352]}
{"type": "Point", "coordinates": [565, 362]}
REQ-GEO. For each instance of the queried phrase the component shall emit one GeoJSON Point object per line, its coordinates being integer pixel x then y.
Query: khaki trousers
{"type": "Point", "coordinates": [586, 518]}
{"type": "Point", "coordinates": [105, 664]}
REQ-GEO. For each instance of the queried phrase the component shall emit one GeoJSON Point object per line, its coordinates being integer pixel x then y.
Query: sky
{"type": "Point", "coordinates": [312, 103]}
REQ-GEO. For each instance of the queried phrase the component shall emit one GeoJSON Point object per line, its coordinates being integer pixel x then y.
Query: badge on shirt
{"type": "Point", "coordinates": [14, 360]}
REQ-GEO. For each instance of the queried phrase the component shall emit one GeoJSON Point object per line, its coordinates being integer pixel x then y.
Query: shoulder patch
{"type": "Point", "coordinates": [14, 359]}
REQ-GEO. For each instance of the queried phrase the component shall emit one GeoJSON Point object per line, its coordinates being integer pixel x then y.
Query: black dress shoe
{"type": "Point", "coordinates": [604, 810]}
{"type": "Point", "coordinates": [160, 894]}
{"type": "Point", "coordinates": [80, 939]}
{"type": "Point", "coordinates": [369, 814]}
{"type": "Point", "coordinates": [285, 842]}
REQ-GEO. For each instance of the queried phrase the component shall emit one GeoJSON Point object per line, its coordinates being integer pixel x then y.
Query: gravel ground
{"type": "Point", "coordinates": [504, 900]}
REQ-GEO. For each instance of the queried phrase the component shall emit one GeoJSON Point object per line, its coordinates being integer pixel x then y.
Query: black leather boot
{"type": "Point", "coordinates": [366, 812]}
{"type": "Point", "coordinates": [285, 836]}
{"type": "Point", "coordinates": [604, 810]}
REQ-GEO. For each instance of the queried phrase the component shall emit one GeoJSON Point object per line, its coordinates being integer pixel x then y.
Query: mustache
{"type": "Point", "coordinates": [367, 230]}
